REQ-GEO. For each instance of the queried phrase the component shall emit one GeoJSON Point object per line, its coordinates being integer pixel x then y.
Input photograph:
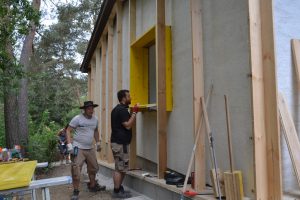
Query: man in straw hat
{"type": "Point", "coordinates": [85, 127]}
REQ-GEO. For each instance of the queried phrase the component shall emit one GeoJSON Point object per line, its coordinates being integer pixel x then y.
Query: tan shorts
{"type": "Point", "coordinates": [121, 157]}
{"type": "Point", "coordinates": [84, 155]}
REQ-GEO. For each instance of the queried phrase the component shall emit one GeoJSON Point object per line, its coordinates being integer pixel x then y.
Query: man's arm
{"type": "Point", "coordinates": [96, 135]}
{"type": "Point", "coordinates": [69, 129]}
{"type": "Point", "coordinates": [128, 125]}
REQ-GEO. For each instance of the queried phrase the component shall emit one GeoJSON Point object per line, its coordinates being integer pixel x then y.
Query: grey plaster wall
{"type": "Point", "coordinates": [115, 64]}
{"type": "Point", "coordinates": [287, 27]}
{"type": "Point", "coordinates": [180, 123]}
{"type": "Point", "coordinates": [146, 122]}
{"type": "Point", "coordinates": [226, 65]}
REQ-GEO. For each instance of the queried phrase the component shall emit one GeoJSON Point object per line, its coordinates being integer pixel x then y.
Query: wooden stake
{"type": "Point", "coordinates": [110, 86]}
{"type": "Point", "coordinates": [132, 36]}
{"type": "Point", "coordinates": [120, 45]}
{"type": "Point", "coordinates": [267, 157]}
{"type": "Point", "coordinates": [195, 145]}
{"type": "Point", "coordinates": [198, 90]}
{"type": "Point", "coordinates": [161, 87]}
{"type": "Point", "coordinates": [103, 98]}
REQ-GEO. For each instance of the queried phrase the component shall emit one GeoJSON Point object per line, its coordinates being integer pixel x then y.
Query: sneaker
{"type": "Point", "coordinates": [121, 195]}
{"type": "Point", "coordinates": [75, 195]}
{"type": "Point", "coordinates": [96, 188]}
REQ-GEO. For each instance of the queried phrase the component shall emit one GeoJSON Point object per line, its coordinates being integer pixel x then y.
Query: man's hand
{"type": "Point", "coordinates": [70, 148]}
{"type": "Point", "coordinates": [98, 146]}
{"type": "Point", "coordinates": [135, 109]}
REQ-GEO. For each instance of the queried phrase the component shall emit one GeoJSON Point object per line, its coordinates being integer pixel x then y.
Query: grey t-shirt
{"type": "Point", "coordinates": [84, 129]}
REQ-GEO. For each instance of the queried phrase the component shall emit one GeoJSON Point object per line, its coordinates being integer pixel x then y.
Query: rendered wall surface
{"type": "Point", "coordinates": [287, 27]}
{"type": "Point", "coordinates": [227, 67]}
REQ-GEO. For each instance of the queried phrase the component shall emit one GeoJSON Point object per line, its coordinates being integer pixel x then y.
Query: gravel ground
{"type": "Point", "coordinates": [64, 192]}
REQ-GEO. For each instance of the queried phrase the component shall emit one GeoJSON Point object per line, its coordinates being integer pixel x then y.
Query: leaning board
{"type": "Point", "coordinates": [290, 135]}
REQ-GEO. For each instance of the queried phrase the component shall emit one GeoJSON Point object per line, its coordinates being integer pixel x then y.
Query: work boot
{"type": "Point", "coordinates": [75, 195]}
{"type": "Point", "coordinates": [121, 195]}
{"type": "Point", "coordinates": [96, 188]}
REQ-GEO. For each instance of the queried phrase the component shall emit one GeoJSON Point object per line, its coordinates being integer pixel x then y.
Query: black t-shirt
{"type": "Point", "coordinates": [120, 134]}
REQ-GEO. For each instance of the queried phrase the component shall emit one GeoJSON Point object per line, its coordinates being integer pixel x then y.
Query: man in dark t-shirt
{"type": "Point", "coordinates": [121, 124]}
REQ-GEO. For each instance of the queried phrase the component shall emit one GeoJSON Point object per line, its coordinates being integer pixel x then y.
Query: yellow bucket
{"type": "Point", "coordinates": [15, 175]}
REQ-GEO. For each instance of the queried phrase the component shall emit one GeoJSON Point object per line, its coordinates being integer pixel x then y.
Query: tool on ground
{"type": "Point", "coordinates": [233, 179]}
{"type": "Point", "coordinates": [212, 148]}
{"type": "Point", "coordinates": [193, 193]}
{"type": "Point", "coordinates": [195, 144]}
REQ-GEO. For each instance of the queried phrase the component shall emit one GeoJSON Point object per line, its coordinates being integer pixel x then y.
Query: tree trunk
{"type": "Point", "coordinates": [23, 92]}
{"type": "Point", "coordinates": [10, 108]}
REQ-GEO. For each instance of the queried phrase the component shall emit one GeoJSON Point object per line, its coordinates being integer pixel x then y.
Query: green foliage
{"type": "Point", "coordinates": [16, 17]}
{"type": "Point", "coordinates": [55, 85]}
{"type": "Point", "coordinates": [43, 140]}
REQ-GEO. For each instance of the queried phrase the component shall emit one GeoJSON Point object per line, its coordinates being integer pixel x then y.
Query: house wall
{"type": "Point", "coordinates": [287, 27]}
{"type": "Point", "coordinates": [226, 65]}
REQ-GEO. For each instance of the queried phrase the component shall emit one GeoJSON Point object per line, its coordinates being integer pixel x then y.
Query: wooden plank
{"type": "Point", "coordinates": [296, 57]}
{"type": "Point", "coordinates": [103, 97]}
{"type": "Point", "coordinates": [268, 183]}
{"type": "Point", "coordinates": [198, 91]}
{"type": "Point", "coordinates": [89, 84]}
{"type": "Point", "coordinates": [161, 88]}
{"type": "Point", "coordinates": [93, 70]}
{"type": "Point", "coordinates": [132, 37]}
{"type": "Point", "coordinates": [110, 86]}
{"type": "Point", "coordinates": [290, 134]}
{"type": "Point", "coordinates": [98, 96]}
{"type": "Point", "coordinates": [119, 44]}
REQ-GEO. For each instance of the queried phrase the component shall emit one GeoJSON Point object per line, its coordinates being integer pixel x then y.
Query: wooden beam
{"type": "Point", "coordinates": [267, 157]}
{"type": "Point", "coordinates": [161, 87]}
{"type": "Point", "coordinates": [98, 90]}
{"type": "Point", "coordinates": [132, 38]}
{"type": "Point", "coordinates": [290, 134]}
{"type": "Point", "coordinates": [110, 85]}
{"type": "Point", "coordinates": [93, 70]}
{"type": "Point", "coordinates": [89, 84]}
{"type": "Point", "coordinates": [103, 97]}
{"type": "Point", "coordinates": [120, 46]}
{"type": "Point", "coordinates": [296, 57]}
{"type": "Point", "coordinates": [198, 91]}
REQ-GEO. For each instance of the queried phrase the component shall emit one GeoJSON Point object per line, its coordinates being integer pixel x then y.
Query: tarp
{"type": "Point", "coordinates": [16, 175]}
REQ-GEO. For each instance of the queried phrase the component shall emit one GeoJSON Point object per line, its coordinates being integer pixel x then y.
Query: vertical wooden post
{"type": "Point", "coordinates": [132, 37]}
{"type": "Point", "coordinates": [267, 156]}
{"type": "Point", "coordinates": [103, 98]}
{"type": "Point", "coordinates": [89, 83]}
{"type": "Point", "coordinates": [198, 90]}
{"type": "Point", "coordinates": [120, 46]}
{"type": "Point", "coordinates": [97, 87]}
{"type": "Point", "coordinates": [93, 70]}
{"type": "Point", "coordinates": [110, 85]}
{"type": "Point", "coordinates": [161, 87]}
